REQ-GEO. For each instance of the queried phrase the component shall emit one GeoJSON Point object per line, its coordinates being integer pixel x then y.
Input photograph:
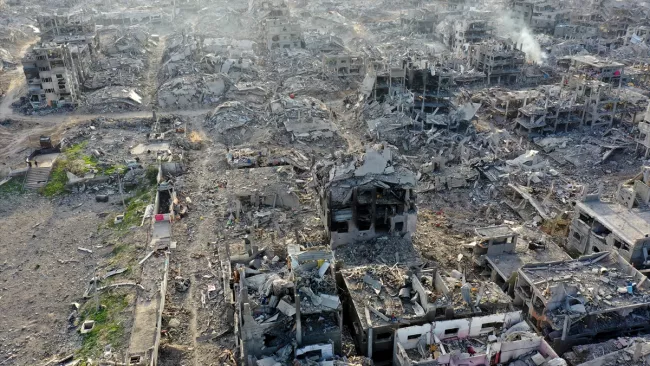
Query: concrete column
{"type": "Point", "coordinates": [298, 322]}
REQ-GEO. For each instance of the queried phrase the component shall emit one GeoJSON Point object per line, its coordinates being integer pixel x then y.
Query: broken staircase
{"type": "Point", "coordinates": [37, 177]}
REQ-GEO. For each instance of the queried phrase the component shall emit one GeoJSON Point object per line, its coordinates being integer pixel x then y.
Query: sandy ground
{"type": "Point", "coordinates": [42, 272]}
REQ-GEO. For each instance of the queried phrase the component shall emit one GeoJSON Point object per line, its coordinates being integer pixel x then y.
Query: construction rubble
{"type": "Point", "coordinates": [267, 183]}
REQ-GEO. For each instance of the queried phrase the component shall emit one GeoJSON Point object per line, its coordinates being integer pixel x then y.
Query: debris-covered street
{"type": "Point", "coordinates": [262, 183]}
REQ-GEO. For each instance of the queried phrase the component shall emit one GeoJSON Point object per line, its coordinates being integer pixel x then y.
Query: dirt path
{"type": "Point", "coordinates": [16, 141]}
{"type": "Point", "coordinates": [195, 259]}
{"type": "Point", "coordinates": [17, 78]}
{"type": "Point", "coordinates": [155, 60]}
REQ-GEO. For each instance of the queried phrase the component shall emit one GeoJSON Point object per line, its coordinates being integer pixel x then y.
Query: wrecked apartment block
{"type": "Point", "coordinates": [628, 351]}
{"type": "Point", "coordinates": [594, 68]}
{"type": "Point", "coordinates": [52, 78]}
{"type": "Point", "coordinates": [576, 301]}
{"type": "Point", "coordinates": [344, 65]}
{"type": "Point", "coordinates": [499, 59]}
{"type": "Point", "coordinates": [468, 31]}
{"type": "Point", "coordinates": [281, 30]}
{"type": "Point", "coordinates": [622, 226]}
{"type": "Point", "coordinates": [577, 102]}
{"type": "Point", "coordinates": [541, 16]}
{"type": "Point", "coordinates": [502, 251]}
{"type": "Point", "coordinates": [286, 310]}
{"type": "Point", "coordinates": [367, 197]}
{"type": "Point", "coordinates": [381, 299]}
{"type": "Point", "coordinates": [373, 313]}
{"type": "Point", "coordinates": [501, 339]}
{"type": "Point", "coordinates": [69, 29]}
{"type": "Point", "coordinates": [431, 87]}
{"type": "Point", "coordinates": [644, 134]}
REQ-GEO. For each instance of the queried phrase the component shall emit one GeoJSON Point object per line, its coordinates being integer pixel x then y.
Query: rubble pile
{"type": "Point", "coordinates": [329, 183]}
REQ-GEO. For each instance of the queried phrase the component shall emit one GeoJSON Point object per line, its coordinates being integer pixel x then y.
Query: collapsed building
{"type": "Point", "coordinates": [363, 198]}
{"type": "Point", "coordinates": [595, 68]}
{"type": "Point", "coordinates": [56, 68]}
{"type": "Point", "coordinates": [577, 301]}
{"type": "Point", "coordinates": [52, 79]}
{"type": "Point", "coordinates": [577, 102]}
{"type": "Point", "coordinates": [502, 251]}
{"type": "Point", "coordinates": [540, 15]}
{"type": "Point", "coordinates": [344, 65]}
{"type": "Point", "coordinates": [379, 300]}
{"type": "Point", "coordinates": [643, 140]}
{"type": "Point", "coordinates": [281, 30]}
{"type": "Point", "coordinates": [503, 339]}
{"type": "Point", "coordinates": [467, 32]}
{"type": "Point", "coordinates": [621, 226]}
{"type": "Point", "coordinates": [500, 60]}
{"type": "Point", "coordinates": [632, 351]}
{"type": "Point", "coordinates": [278, 303]}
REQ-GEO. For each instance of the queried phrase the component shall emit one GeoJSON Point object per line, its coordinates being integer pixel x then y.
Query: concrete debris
{"type": "Point", "coordinates": [326, 183]}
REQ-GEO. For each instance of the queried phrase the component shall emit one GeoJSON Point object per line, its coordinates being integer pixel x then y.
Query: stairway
{"type": "Point", "coordinates": [37, 177]}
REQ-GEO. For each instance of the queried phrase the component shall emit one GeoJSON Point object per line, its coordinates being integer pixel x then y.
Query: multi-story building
{"type": "Point", "coordinates": [282, 30]}
{"type": "Point", "coordinates": [378, 199]}
{"type": "Point", "coordinates": [344, 65]}
{"type": "Point", "coordinates": [57, 67]}
{"type": "Point", "coordinates": [622, 226]}
{"type": "Point", "coordinates": [467, 32]}
{"type": "Point", "coordinates": [636, 35]}
{"type": "Point", "coordinates": [500, 60]}
{"type": "Point", "coordinates": [575, 301]}
{"type": "Point", "coordinates": [595, 68]}
{"type": "Point", "coordinates": [540, 16]}
{"type": "Point", "coordinates": [644, 133]}
{"type": "Point", "coordinates": [52, 76]}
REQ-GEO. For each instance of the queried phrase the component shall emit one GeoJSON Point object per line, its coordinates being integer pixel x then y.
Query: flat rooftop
{"type": "Point", "coordinates": [507, 264]}
{"type": "Point", "coordinates": [491, 295]}
{"type": "Point", "coordinates": [598, 281]}
{"type": "Point", "coordinates": [377, 288]}
{"type": "Point", "coordinates": [596, 62]}
{"type": "Point", "coordinates": [613, 350]}
{"type": "Point", "coordinates": [629, 224]}
{"type": "Point", "coordinates": [386, 250]}
{"type": "Point", "coordinates": [494, 231]}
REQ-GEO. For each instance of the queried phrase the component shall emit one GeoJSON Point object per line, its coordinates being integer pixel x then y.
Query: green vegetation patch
{"type": "Point", "coordinates": [135, 207]}
{"type": "Point", "coordinates": [58, 179]}
{"type": "Point", "coordinates": [108, 325]}
{"type": "Point", "coordinates": [12, 187]}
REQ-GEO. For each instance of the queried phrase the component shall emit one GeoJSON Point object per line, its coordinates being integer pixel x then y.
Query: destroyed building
{"type": "Point", "coordinates": [466, 32]}
{"type": "Point", "coordinates": [57, 67]}
{"type": "Point", "coordinates": [278, 303]}
{"type": "Point", "coordinates": [431, 87]}
{"type": "Point", "coordinates": [629, 351]}
{"type": "Point", "coordinates": [621, 226]}
{"type": "Point", "coordinates": [644, 134]}
{"type": "Point", "coordinates": [344, 65]}
{"type": "Point", "coordinates": [638, 34]}
{"type": "Point", "coordinates": [68, 29]}
{"type": "Point", "coordinates": [577, 102]}
{"type": "Point", "coordinates": [374, 312]}
{"type": "Point", "coordinates": [363, 198]}
{"type": "Point", "coordinates": [500, 60]}
{"type": "Point", "coordinates": [594, 68]}
{"type": "Point", "coordinates": [503, 339]}
{"type": "Point", "coordinates": [576, 301]}
{"type": "Point", "coordinates": [541, 16]}
{"type": "Point", "coordinates": [502, 251]}
{"type": "Point", "coordinates": [52, 79]}
{"type": "Point", "coordinates": [281, 30]}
